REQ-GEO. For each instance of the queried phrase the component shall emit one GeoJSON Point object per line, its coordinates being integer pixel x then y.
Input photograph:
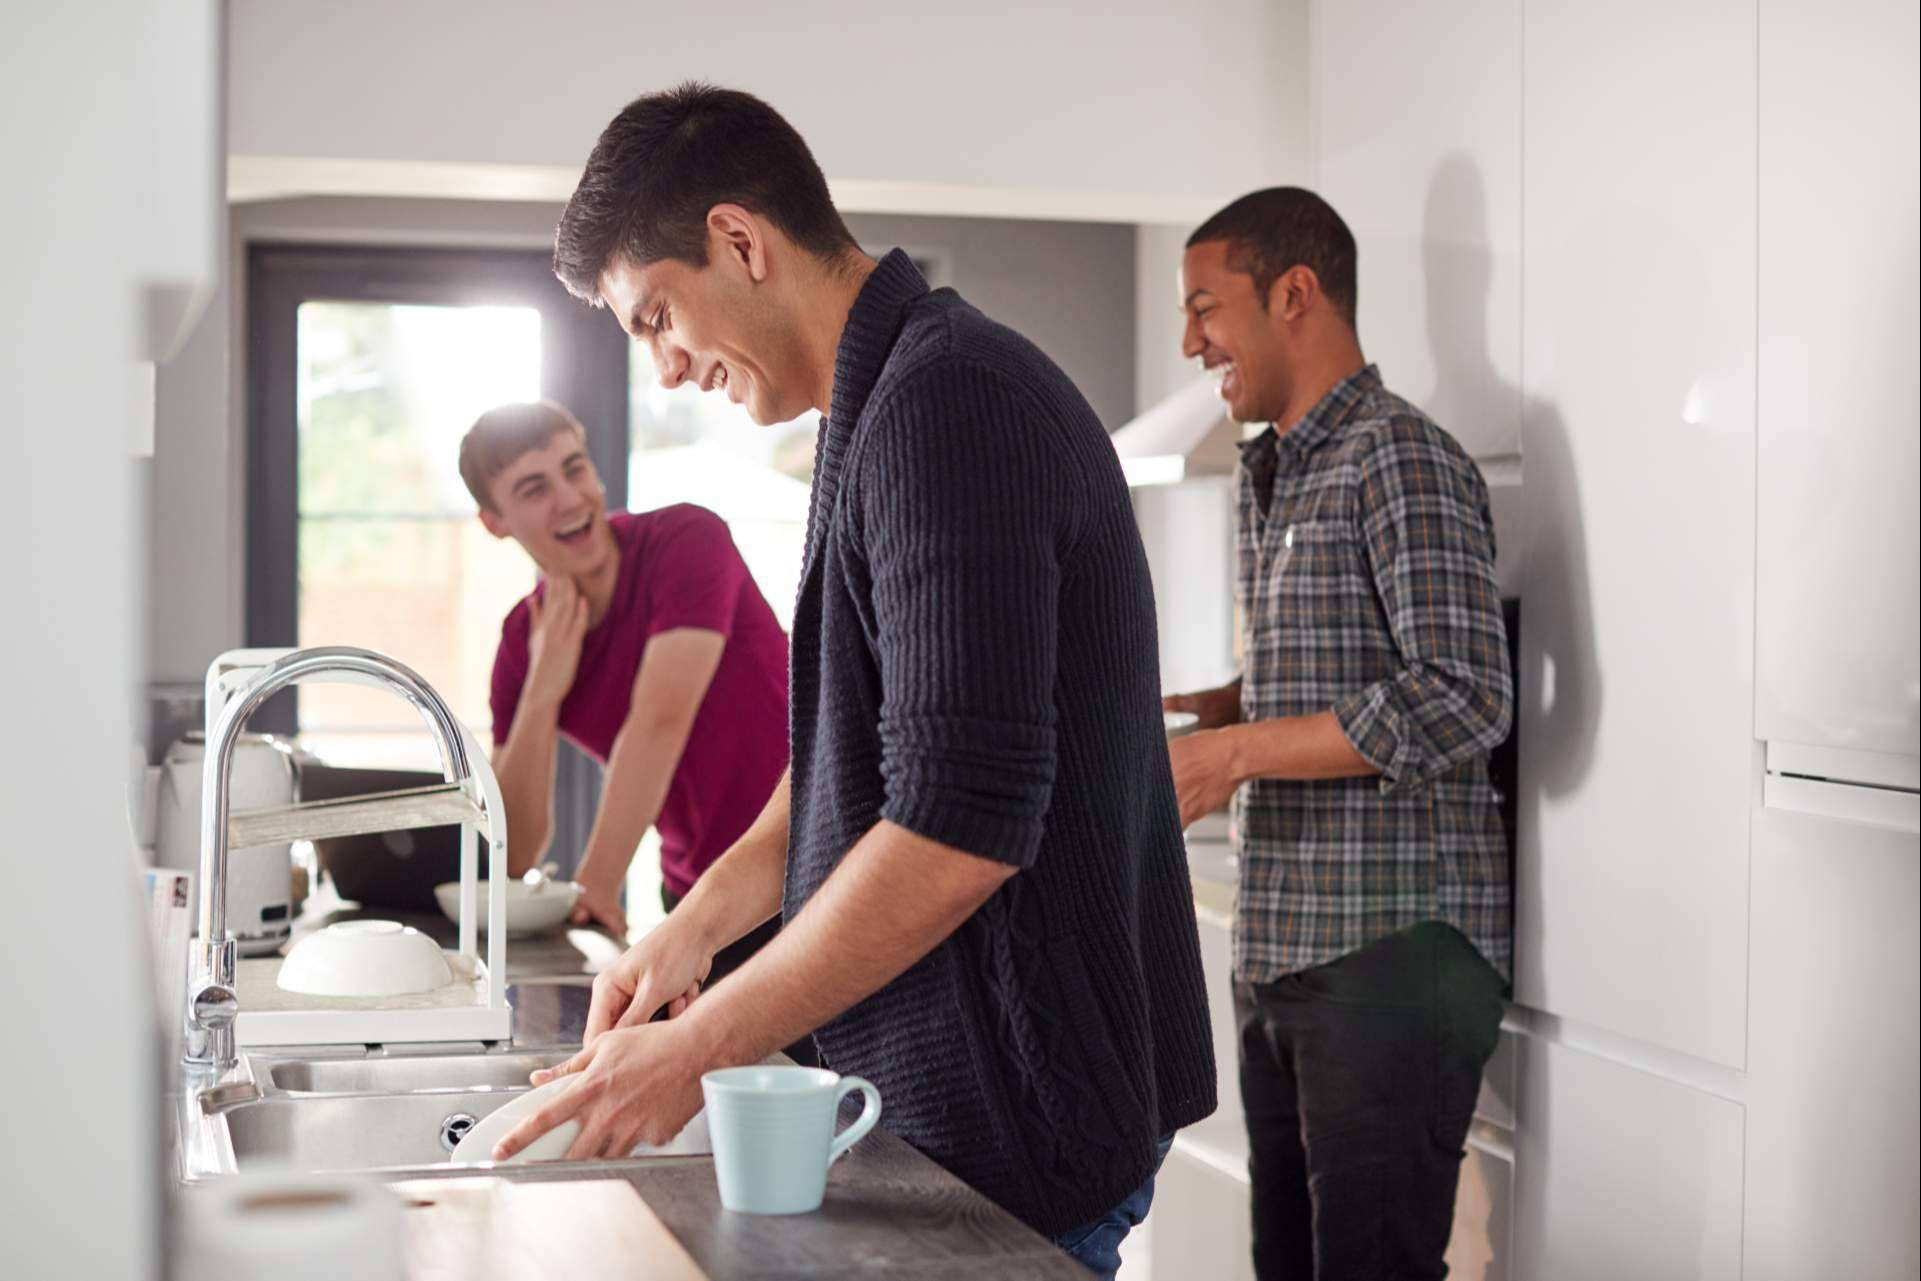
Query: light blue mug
{"type": "Point", "coordinates": [773, 1134]}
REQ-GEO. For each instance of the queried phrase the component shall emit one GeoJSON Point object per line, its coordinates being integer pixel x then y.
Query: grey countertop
{"type": "Point", "coordinates": [889, 1210]}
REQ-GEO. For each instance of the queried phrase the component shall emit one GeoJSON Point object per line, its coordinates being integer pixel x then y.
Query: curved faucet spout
{"type": "Point", "coordinates": [210, 1003]}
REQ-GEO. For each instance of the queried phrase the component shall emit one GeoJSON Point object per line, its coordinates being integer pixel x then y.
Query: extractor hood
{"type": "Point", "coordinates": [1188, 434]}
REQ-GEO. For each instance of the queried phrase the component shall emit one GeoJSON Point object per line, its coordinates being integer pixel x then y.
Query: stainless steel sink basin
{"type": "Point", "coordinates": [399, 1114]}
{"type": "Point", "coordinates": [376, 1075]}
{"type": "Point", "coordinates": [356, 1132]}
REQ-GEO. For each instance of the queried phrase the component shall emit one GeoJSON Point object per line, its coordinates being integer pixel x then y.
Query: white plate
{"type": "Point", "coordinates": [529, 910]}
{"type": "Point", "coordinates": [478, 1145]}
{"type": "Point", "coordinates": [1179, 723]}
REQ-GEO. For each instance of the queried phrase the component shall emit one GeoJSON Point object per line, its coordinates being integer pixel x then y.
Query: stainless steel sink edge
{"type": "Point", "coordinates": [208, 1108]}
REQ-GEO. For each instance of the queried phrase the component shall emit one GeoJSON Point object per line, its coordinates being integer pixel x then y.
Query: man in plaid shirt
{"type": "Point", "coordinates": [1372, 920]}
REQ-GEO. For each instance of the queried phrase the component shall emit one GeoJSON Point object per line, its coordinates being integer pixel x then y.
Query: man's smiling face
{"type": "Point", "coordinates": [551, 502]}
{"type": "Point", "coordinates": [713, 326]}
{"type": "Point", "coordinates": [1233, 335]}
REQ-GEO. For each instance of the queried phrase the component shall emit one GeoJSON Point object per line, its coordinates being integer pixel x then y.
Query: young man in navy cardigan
{"type": "Point", "coordinates": [977, 851]}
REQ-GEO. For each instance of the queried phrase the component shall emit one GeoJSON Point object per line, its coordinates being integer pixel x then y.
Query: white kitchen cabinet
{"type": "Point", "coordinates": [1199, 1225]}
{"type": "Point", "coordinates": [1428, 176]}
{"type": "Point", "coordinates": [1832, 1170]}
{"type": "Point", "coordinates": [1636, 684]}
{"type": "Point", "coordinates": [1622, 1173]}
{"type": "Point", "coordinates": [1838, 645]}
{"type": "Point", "coordinates": [1222, 1137]}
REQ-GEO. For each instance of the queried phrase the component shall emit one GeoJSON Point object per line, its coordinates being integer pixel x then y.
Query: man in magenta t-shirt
{"type": "Point", "coordinates": [646, 643]}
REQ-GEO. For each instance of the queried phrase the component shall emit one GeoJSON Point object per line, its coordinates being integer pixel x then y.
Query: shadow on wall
{"type": "Point", "coordinates": [1558, 681]}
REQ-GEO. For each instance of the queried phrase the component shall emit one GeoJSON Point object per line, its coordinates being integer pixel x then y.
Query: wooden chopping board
{"type": "Point", "coordinates": [491, 1229]}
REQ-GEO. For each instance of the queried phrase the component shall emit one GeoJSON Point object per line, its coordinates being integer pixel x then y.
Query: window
{"type": "Point", "coordinates": [365, 367]}
{"type": "Point", "coordinates": [391, 557]}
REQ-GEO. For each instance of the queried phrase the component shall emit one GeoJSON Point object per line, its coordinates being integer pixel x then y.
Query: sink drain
{"type": "Point", "coordinates": [454, 1129]}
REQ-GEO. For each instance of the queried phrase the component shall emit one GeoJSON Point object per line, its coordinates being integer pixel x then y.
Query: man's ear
{"type": "Point", "coordinates": [1293, 292]}
{"type": "Point", "coordinates": [495, 525]}
{"type": "Point", "coordinates": [737, 235]}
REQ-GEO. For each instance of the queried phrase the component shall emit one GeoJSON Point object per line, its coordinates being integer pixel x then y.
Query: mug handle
{"type": "Point", "coordinates": [862, 1124]}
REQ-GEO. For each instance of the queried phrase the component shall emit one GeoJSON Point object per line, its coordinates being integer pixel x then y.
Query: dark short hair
{"type": "Point", "coordinates": [1273, 231]}
{"type": "Point", "coordinates": [503, 434]}
{"type": "Point", "coordinates": [666, 160]}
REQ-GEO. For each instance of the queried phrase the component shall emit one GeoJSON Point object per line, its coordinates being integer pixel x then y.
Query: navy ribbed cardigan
{"type": "Point", "coordinates": [974, 658]}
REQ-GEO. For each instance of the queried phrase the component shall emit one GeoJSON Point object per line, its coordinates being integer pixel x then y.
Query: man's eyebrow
{"type": "Point", "coordinates": [1189, 300]}
{"type": "Point", "coordinates": [524, 481]}
{"type": "Point", "coordinates": [579, 455]}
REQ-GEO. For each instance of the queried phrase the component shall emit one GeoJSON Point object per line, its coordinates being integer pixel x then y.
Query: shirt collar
{"type": "Point", "coordinates": [873, 324]}
{"type": "Point", "coordinates": [1320, 422]}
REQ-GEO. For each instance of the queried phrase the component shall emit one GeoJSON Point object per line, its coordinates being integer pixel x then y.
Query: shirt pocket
{"type": "Point", "coordinates": [1315, 572]}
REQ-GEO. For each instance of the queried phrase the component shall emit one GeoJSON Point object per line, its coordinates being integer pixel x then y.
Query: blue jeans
{"type": "Point", "coordinates": [1096, 1246]}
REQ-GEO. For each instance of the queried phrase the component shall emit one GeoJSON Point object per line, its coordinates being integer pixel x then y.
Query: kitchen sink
{"type": "Point", "coordinates": [381, 1075]}
{"type": "Point", "coordinates": [400, 1115]}
{"type": "Point", "coordinates": [357, 1132]}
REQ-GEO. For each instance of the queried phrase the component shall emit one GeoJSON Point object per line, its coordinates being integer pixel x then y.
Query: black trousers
{"type": "Point", "coordinates": [734, 955]}
{"type": "Point", "coordinates": [1359, 1080]}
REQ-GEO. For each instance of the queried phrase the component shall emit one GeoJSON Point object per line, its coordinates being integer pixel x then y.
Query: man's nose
{"type": "Point", "coordinates": [1192, 343]}
{"type": "Point", "coordinates": [673, 365]}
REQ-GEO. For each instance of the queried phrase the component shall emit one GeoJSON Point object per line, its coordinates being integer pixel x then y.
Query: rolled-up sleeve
{"type": "Point", "coordinates": [966, 512]}
{"type": "Point", "coordinates": [1428, 537]}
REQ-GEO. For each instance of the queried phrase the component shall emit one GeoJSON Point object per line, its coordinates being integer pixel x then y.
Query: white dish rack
{"type": "Point", "coordinates": [474, 1006]}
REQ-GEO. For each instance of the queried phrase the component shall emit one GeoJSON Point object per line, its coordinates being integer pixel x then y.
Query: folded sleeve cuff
{"type": "Point", "coordinates": [980, 787]}
{"type": "Point", "coordinates": [1373, 726]}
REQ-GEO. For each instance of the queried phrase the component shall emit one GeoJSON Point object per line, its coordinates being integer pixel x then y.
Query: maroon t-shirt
{"type": "Point", "coordinates": [678, 568]}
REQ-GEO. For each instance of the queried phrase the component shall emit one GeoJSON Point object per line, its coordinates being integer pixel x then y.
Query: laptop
{"type": "Point", "coordinates": [395, 870]}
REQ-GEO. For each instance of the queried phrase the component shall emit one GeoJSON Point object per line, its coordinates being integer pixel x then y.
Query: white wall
{"type": "Point", "coordinates": [1159, 368]}
{"type": "Point", "coordinates": [1434, 200]}
{"type": "Point", "coordinates": [108, 111]}
{"type": "Point", "coordinates": [1117, 109]}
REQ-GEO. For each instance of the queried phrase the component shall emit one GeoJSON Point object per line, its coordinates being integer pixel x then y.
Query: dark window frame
{"type": "Point", "coordinates": [583, 366]}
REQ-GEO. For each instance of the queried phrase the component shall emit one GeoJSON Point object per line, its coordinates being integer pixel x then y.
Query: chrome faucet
{"type": "Point", "coordinates": [212, 1002]}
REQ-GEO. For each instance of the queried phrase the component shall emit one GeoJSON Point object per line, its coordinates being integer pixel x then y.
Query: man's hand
{"type": "Point", "coordinates": [636, 1085]}
{"type": "Point", "coordinates": [555, 632]}
{"type": "Point", "coordinates": [1205, 772]}
{"type": "Point", "coordinates": [599, 905]}
{"type": "Point", "coordinates": [1215, 707]}
{"type": "Point", "coordinates": [664, 970]}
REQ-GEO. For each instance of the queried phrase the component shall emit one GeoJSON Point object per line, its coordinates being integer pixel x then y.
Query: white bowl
{"type": "Point", "coordinates": [530, 908]}
{"type": "Point", "coordinates": [365, 958]}
{"type": "Point", "coordinates": [478, 1145]}
{"type": "Point", "coordinates": [1179, 723]}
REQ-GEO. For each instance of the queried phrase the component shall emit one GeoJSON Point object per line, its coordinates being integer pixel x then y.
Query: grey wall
{"type": "Point", "coordinates": [1068, 286]}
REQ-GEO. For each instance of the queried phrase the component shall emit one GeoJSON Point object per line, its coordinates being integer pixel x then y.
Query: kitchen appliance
{"type": "Point", "coordinates": [1187, 434]}
{"type": "Point", "coordinates": [394, 870]}
{"type": "Point", "coordinates": [266, 775]}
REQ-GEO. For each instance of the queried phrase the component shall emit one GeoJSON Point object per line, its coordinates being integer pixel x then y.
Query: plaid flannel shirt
{"type": "Point", "coordinates": [1366, 586]}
